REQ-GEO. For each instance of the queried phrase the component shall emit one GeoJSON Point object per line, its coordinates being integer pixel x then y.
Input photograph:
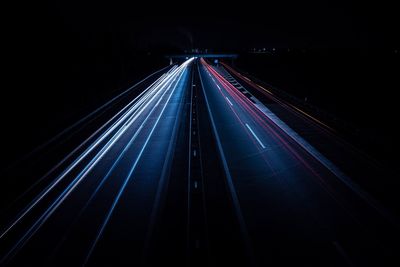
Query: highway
{"type": "Point", "coordinates": [114, 184]}
{"type": "Point", "coordinates": [291, 199]}
{"type": "Point", "coordinates": [197, 171]}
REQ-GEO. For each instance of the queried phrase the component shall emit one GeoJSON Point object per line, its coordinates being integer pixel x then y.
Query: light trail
{"type": "Point", "coordinates": [259, 116]}
{"type": "Point", "coordinates": [279, 130]}
{"type": "Point", "coordinates": [92, 147]}
{"type": "Point", "coordinates": [119, 158]}
{"type": "Point", "coordinates": [284, 104]}
{"type": "Point", "coordinates": [140, 104]}
{"type": "Point", "coordinates": [142, 98]}
{"type": "Point", "coordinates": [276, 133]}
{"type": "Point", "coordinates": [89, 117]}
{"type": "Point", "coordinates": [129, 176]}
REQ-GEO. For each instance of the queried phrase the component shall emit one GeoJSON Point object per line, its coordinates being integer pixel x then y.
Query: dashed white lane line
{"type": "Point", "coordinates": [252, 132]}
{"type": "Point", "coordinates": [229, 101]}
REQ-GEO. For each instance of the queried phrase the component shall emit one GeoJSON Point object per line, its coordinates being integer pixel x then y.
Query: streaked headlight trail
{"type": "Point", "coordinates": [132, 120]}
{"type": "Point", "coordinates": [196, 168]}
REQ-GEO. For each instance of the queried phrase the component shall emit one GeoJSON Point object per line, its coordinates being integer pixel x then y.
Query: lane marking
{"type": "Point", "coordinates": [229, 101]}
{"type": "Point", "coordinates": [258, 140]}
{"type": "Point", "coordinates": [218, 87]}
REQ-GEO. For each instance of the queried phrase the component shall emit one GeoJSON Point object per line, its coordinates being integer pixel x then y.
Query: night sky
{"type": "Point", "coordinates": [215, 24]}
{"type": "Point", "coordinates": [62, 58]}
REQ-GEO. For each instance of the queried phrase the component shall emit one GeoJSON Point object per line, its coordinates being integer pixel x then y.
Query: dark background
{"type": "Point", "coordinates": [64, 58]}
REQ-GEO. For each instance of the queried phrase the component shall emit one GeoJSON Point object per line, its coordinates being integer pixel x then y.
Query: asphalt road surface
{"type": "Point", "coordinates": [197, 171]}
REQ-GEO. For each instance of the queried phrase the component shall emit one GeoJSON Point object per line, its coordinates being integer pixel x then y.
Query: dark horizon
{"type": "Point", "coordinates": [284, 24]}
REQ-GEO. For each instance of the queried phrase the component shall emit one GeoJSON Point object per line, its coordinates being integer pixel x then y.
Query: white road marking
{"type": "Point", "coordinates": [258, 140]}
{"type": "Point", "coordinates": [229, 101]}
{"type": "Point", "coordinates": [321, 158]}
